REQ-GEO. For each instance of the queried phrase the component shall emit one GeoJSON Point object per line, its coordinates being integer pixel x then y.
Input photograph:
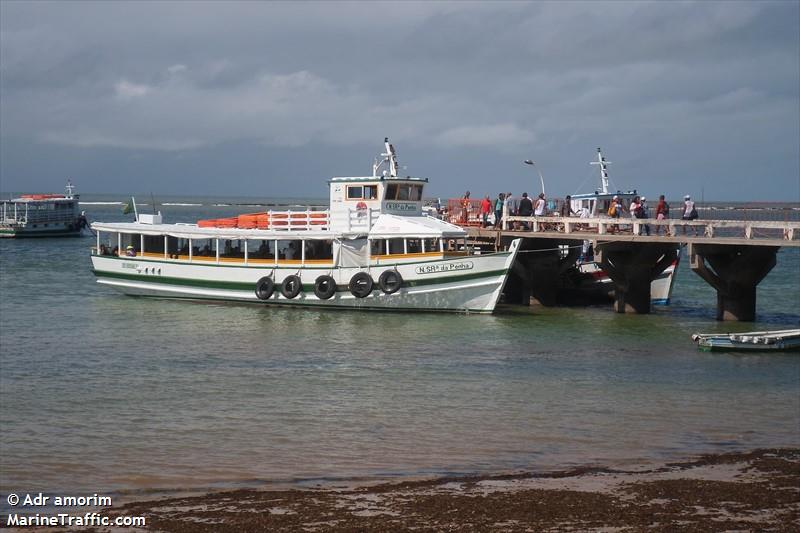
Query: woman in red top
{"type": "Point", "coordinates": [486, 208]}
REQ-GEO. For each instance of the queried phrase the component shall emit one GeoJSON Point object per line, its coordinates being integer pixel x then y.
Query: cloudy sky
{"type": "Point", "coordinates": [272, 98]}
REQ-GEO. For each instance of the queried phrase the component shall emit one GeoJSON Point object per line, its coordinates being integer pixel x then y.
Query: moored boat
{"type": "Point", "coordinates": [43, 215]}
{"type": "Point", "coordinates": [595, 205]}
{"type": "Point", "coordinates": [779, 340]}
{"type": "Point", "coordinates": [372, 249]}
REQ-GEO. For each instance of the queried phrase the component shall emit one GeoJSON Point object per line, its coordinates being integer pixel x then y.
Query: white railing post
{"type": "Point", "coordinates": [601, 227]}
{"type": "Point", "coordinates": [166, 245]}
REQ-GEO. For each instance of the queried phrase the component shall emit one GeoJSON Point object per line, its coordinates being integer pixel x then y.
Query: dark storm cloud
{"type": "Point", "coordinates": [679, 93]}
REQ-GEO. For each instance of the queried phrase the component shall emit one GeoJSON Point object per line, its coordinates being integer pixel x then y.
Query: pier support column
{"type": "Point", "coordinates": [632, 267]}
{"type": "Point", "coordinates": [734, 271]}
{"type": "Point", "coordinates": [536, 273]}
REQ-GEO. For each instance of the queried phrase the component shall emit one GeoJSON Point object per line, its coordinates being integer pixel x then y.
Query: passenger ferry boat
{"type": "Point", "coordinates": [43, 215]}
{"type": "Point", "coordinates": [372, 249]}
{"type": "Point", "coordinates": [595, 205]}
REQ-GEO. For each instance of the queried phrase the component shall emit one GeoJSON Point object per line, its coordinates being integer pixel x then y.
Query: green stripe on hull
{"type": "Point", "coordinates": [249, 286]}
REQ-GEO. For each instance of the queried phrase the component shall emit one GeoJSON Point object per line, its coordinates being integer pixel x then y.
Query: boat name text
{"type": "Point", "coordinates": [400, 206]}
{"type": "Point", "coordinates": [446, 267]}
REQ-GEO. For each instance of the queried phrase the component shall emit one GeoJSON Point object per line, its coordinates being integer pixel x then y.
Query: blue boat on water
{"type": "Point", "coordinates": [781, 340]}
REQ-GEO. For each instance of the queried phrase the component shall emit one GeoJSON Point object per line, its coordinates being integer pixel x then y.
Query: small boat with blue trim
{"type": "Point", "coordinates": [374, 248]}
{"type": "Point", "coordinates": [775, 340]}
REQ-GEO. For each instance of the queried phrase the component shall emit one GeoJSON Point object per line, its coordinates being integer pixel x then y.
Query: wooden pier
{"type": "Point", "coordinates": [733, 256]}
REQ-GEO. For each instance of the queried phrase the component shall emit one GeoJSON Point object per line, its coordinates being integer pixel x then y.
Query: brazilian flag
{"type": "Point", "coordinates": [129, 207]}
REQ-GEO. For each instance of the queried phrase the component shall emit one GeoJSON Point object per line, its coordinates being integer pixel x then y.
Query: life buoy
{"type": "Point", "coordinates": [325, 287]}
{"type": "Point", "coordinates": [390, 281]}
{"type": "Point", "coordinates": [361, 285]}
{"type": "Point", "coordinates": [291, 286]}
{"type": "Point", "coordinates": [264, 288]}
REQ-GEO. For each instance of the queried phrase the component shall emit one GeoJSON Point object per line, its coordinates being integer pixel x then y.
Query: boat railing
{"type": "Point", "coordinates": [273, 220]}
{"type": "Point", "coordinates": [743, 229]}
{"type": "Point", "coordinates": [361, 219]}
{"type": "Point", "coordinates": [298, 220]}
{"type": "Point", "coordinates": [34, 217]}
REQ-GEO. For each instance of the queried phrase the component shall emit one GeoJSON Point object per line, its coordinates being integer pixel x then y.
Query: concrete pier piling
{"type": "Point", "coordinates": [735, 272]}
{"type": "Point", "coordinates": [632, 267]}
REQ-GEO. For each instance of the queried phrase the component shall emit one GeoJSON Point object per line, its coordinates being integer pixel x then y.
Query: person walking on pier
{"type": "Point", "coordinates": [510, 207]}
{"type": "Point", "coordinates": [662, 212]}
{"type": "Point", "coordinates": [541, 204]}
{"type": "Point", "coordinates": [645, 212]}
{"type": "Point", "coordinates": [486, 208]}
{"type": "Point", "coordinates": [614, 211]}
{"type": "Point", "coordinates": [466, 203]}
{"type": "Point", "coordinates": [689, 213]}
{"type": "Point", "coordinates": [498, 210]}
{"type": "Point", "coordinates": [525, 209]}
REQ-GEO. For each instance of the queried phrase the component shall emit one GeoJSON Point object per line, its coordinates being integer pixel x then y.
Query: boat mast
{"type": "Point", "coordinates": [70, 187]}
{"type": "Point", "coordinates": [603, 170]}
{"type": "Point", "coordinates": [389, 157]}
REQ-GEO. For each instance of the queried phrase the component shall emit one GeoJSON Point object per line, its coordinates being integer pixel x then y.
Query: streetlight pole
{"type": "Point", "coordinates": [533, 163]}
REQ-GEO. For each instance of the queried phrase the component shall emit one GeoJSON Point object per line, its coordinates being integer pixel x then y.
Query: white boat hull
{"type": "Point", "coordinates": [463, 284]}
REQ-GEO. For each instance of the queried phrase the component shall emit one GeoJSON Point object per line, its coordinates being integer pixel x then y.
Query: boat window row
{"type": "Point", "coordinates": [256, 250]}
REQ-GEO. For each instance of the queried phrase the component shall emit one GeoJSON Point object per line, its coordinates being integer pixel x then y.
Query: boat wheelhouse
{"type": "Point", "coordinates": [595, 205]}
{"type": "Point", "coordinates": [373, 249]}
{"type": "Point", "coordinates": [42, 215]}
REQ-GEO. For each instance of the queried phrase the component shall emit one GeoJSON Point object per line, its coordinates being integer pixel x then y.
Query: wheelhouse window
{"type": "Point", "coordinates": [404, 191]}
{"type": "Point", "coordinates": [362, 192]}
{"type": "Point", "coordinates": [414, 246]}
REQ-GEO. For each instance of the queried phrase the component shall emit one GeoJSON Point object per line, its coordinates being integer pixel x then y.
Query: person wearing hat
{"type": "Point", "coordinates": [130, 251]}
{"type": "Point", "coordinates": [614, 211]}
{"type": "Point", "coordinates": [645, 214]}
{"type": "Point", "coordinates": [689, 213]}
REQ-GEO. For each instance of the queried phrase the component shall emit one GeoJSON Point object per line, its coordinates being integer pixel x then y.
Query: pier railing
{"type": "Point", "coordinates": [741, 229]}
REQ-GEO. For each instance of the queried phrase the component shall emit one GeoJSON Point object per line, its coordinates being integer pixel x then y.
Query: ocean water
{"type": "Point", "coordinates": [101, 392]}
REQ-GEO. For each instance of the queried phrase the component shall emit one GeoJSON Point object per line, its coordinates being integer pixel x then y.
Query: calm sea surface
{"type": "Point", "coordinates": [100, 392]}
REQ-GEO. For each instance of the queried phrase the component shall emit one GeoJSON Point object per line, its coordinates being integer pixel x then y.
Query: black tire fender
{"type": "Point", "coordinates": [291, 286]}
{"type": "Point", "coordinates": [264, 288]}
{"type": "Point", "coordinates": [390, 281]}
{"type": "Point", "coordinates": [325, 287]}
{"type": "Point", "coordinates": [361, 285]}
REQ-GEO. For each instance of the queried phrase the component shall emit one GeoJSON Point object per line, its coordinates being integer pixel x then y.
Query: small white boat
{"type": "Point", "coordinates": [372, 249]}
{"type": "Point", "coordinates": [595, 205]}
{"type": "Point", "coordinates": [595, 279]}
{"type": "Point", "coordinates": [43, 215]}
{"type": "Point", "coordinates": [786, 339]}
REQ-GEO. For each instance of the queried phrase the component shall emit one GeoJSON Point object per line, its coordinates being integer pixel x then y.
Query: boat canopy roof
{"type": "Point", "coordinates": [386, 226]}
{"type": "Point", "coordinates": [191, 231]}
{"type": "Point", "coordinates": [603, 195]}
{"type": "Point", "coordinates": [376, 178]}
{"type": "Point", "coordinates": [393, 226]}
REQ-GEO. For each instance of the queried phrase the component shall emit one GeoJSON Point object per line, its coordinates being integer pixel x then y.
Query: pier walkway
{"type": "Point", "coordinates": [733, 256]}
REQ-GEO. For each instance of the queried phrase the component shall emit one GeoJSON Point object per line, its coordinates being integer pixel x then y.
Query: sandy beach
{"type": "Point", "coordinates": [753, 491]}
